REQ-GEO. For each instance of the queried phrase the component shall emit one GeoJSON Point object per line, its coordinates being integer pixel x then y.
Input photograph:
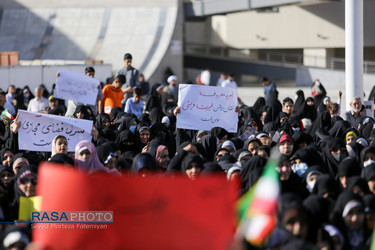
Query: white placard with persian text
{"type": "Point", "coordinates": [205, 107]}
{"type": "Point", "coordinates": [38, 130]}
{"type": "Point", "coordinates": [78, 87]}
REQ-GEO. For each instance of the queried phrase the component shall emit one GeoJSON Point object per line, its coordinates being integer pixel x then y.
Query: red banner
{"type": "Point", "coordinates": [152, 213]}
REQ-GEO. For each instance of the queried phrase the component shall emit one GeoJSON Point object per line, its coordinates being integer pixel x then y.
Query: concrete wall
{"type": "Point", "coordinates": [92, 30]}
{"type": "Point", "coordinates": [35, 75]}
{"type": "Point", "coordinates": [171, 50]}
{"type": "Point", "coordinates": [294, 26]}
{"type": "Point", "coordinates": [305, 77]}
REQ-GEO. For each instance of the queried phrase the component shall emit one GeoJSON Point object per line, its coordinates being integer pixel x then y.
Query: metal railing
{"type": "Point", "coordinates": [287, 59]}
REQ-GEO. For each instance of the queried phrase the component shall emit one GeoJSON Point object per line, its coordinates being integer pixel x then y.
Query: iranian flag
{"type": "Point", "coordinates": [257, 208]}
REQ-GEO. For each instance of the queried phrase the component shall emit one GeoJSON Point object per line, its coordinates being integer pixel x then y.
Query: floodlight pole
{"type": "Point", "coordinates": [353, 50]}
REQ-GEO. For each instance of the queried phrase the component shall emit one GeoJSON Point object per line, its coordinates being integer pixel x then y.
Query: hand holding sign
{"type": "Point", "coordinates": [15, 124]}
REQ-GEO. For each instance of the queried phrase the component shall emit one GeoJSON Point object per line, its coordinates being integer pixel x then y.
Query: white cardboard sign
{"type": "Point", "coordinates": [78, 87]}
{"type": "Point", "coordinates": [38, 130]}
{"type": "Point", "coordinates": [205, 107]}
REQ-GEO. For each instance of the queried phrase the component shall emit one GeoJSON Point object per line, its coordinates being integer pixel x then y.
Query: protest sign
{"type": "Point", "coordinates": [28, 205]}
{"type": "Point", "coordinates": [78, 87]}
{"type": "Point", "coordinates": [205, 107]}
{"type": "Point", "coordinates": [148, 213]}
{"type": "Point", "coordinates": [38, 130]}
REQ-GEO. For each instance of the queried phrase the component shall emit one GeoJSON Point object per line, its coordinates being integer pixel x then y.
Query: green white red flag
{"type": "Point", "coordinates": [257, 209]}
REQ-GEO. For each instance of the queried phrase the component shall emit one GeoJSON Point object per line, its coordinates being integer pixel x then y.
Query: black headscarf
{"type": "Point", "coordinates": [338, 220]}
{"type": "Point", "coordinates": [226, 161]}
{"type": "Point", "coordinates": [17, 192]}
{"type": "Point", "coordinates": [145, 118]}
{"type": "Point", "coordinates": [154, 101]}
{"type": "Point", "coordinates": [293, 183]}
{"type": "Point", "coordinates": [191, 158]}
{"type": "Point", "coordinates": [286, 127]}
{"type": "Point", "coordinates": [156, 115]}
{"type": "Point", "coordinates": [154, 144]}
{"type": "Point", "coordinates": [109, 134]}
{"type": "Point", "coordinates": [318, 208]}
{"type": "Point", "coordinates": [366, 127]}
{"type": "Point", "coordinates": [114, 112]}
{"type": "Point", "coordinates": [271, 126]}
{"type": "Point", "coordinates": [333, 145]}
{"type": "Point", "coordinates": [364, 151]}
{"type": "Point", "coordinates": [348, 167]}
{"type": "Point", "coordinates": [258, 105]}
{"type": "Point", "coordinates": [298, 104]}
{"type": "Point", "coordinates": [251, 171]}
{"type": "Point", "coordinates": [369, 172]}
{"type": "Point", "coordinates": [218, 132]}
{"type": "Point", "coordinates": [126, 121]}
{"type": "Point", "coordinates": [181, 136]}
{"type": "Point", "coordinates": [159, 130]}
{"type": "Point", "coordinates": [124, 137]}
{"type": "Point", "coordinates": [84, 110]}
{"type": "Point", "coordinates": [334, 119]}
{"type": "Point", "coordinates": [2, 152]}
{"type": "Point", "coordinates": [105, 149]}
{"type": "Point", "coordinates": [272, 112]}
{"type": "Point", "coordinates": [300, 137]}
{"type": "Point", "coordinates": [212, 168]}
{"type": "Point", "coordinates": [209, 143]}
{"type": "Point", "coordinates": [100, 119]}
{"type": "Point", "coordinates": [323, 121]}
{"type": "Point", "coordinates": [250, 114]}
{"type": "Point", "coordinates": [144, 161]}
{"type": "Point", "coordinates": [307, 111]}
{"type": "Point", "coordinates": [62, 159]}
{"type": "Point", "coordinates": [358, 181]}
{"type": "Point", "coordinates": [326, 184]}
{"type": "Point", "coordinates": [308, 156]}
{"type": "Point", "coordinates": [339, 129]}
{"type": "Point", "coordinates": [31, 96]}
{"type": "Point", "coordinates": [123, 164]}
{"type": "Point", "coordinates": [251, 139]}
{"type": "Point", "coordinates": [371, 97]}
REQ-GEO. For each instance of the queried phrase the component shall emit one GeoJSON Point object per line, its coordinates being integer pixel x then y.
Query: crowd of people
{"type": "Point", "coordinates": [327, 163]}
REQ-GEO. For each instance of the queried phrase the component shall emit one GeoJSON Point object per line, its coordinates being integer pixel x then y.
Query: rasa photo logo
{"type": "Point", "coordinates": [72, 217]}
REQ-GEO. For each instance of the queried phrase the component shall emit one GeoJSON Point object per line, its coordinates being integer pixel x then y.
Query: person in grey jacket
{"type": "Point", "coordinates": [132, 76]}
{"type": "Point", "coordinates": [354, 115]}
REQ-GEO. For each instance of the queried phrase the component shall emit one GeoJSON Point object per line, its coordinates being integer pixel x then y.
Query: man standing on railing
{"type": "Point", "coordinates": [269, 89]}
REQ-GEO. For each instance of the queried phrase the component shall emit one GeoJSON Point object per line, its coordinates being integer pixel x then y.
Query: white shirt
{"type": "Point", "coordinates": [206, 77]}
{"type": "Point", "coordinates": [37, 106]}
{"type": "Point", "coordinates": [229, 84]}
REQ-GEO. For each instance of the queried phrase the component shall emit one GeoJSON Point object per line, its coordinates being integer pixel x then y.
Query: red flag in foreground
{"type": "Point", "coordinates": [154, 213]}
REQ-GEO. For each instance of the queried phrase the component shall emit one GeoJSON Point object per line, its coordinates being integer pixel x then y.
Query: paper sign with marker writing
{"type": "Point", "coordinates": [38, 130]}
{"type": "Point", "coordinates": [28, 205]}
{"type": "Point", "coordinates": [78, 87]}
{"type": "Point", "coordinates": [148, 213]}
{"type": "Point", "coordinates": [205, 107]}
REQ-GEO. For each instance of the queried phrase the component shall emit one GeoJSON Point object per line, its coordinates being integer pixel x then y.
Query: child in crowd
{"type": "Point", "coordinates": [135, 104]}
